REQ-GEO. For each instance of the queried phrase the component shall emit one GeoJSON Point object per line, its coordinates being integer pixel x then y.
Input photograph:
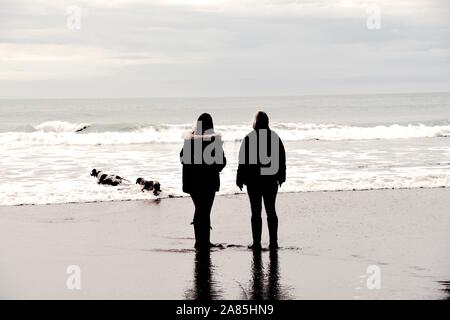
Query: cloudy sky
{"type": "Point", "coordinates": [178, 48]}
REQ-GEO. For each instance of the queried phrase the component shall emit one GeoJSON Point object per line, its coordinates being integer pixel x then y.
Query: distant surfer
{"type": "Point", "coordinates": [81, 129]}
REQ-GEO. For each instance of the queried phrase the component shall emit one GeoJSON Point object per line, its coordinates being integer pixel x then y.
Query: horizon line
{"type": "Point", "coordinates": [230, 96]}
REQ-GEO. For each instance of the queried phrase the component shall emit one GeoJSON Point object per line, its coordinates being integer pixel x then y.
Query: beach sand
{"type": "Point", "coordinates": [143, 249]}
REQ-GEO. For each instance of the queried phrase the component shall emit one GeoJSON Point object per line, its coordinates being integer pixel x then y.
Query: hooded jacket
{"type": "Point", "coordinates": [203, 159]}
{"type": "Point", "coordinates": [251, 172]}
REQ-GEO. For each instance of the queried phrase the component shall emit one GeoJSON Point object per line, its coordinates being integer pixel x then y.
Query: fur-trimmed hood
{"type": "Point", "coordinates": [189, 135]}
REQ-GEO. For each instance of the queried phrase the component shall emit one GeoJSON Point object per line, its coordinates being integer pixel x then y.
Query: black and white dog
{"type": "Point", "coordinates": [149, 185]}
{"type": "Point", "coordinates": [107, 179]}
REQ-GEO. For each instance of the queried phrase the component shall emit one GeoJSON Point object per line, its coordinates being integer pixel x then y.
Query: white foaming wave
{"type": "Point", "coordinates": [63, 133]}
{"type": "Point", "coordinates": [80, 192]}
{"type": "Point", "coordinates": [68, 136]}
{"type": "Point", "coordinates": [295, 131]}
{"type": "Point", "coordinates": [59, 126]}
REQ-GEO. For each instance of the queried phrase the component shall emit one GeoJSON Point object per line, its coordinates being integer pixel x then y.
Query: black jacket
{"type": "Point", "coordinates": [199, 174]}
{"type": "Point", "coordinates": [249, 172]}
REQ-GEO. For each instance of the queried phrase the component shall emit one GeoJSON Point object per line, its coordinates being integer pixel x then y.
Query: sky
{"type": "Point", "coordinates": [201, 48]}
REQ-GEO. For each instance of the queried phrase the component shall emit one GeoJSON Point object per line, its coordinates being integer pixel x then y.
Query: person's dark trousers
{"type": "Point", "coordinates": [257, 193]}
{"type": "Point", "coordinates": [203, 202]}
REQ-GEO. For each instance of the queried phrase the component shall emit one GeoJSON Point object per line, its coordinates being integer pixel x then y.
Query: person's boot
{"type": "Point", "coordinates": [255, 246]}
{"type": "Point", "coordinates": [197, 234]}
{"type": "Point", "coordinates": [204, 231]}
{"type": "Point", "coordinates": [208, 236]}
{"type": "Point", "coordinates": [272, 223]}
{"type": "Point", "coordinates": [256, 233]}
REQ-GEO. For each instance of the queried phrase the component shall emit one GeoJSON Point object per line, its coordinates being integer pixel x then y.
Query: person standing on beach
{"type": "Point", "coordinates": [262, 167]}
{"type": "Point", "coordinates": [203, 159]}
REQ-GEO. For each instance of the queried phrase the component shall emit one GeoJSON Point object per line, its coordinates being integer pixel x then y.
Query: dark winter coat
{"type": "Point", "coordinates": [250, 173]}
{"type": "Point", "coordinates": [199, 174]}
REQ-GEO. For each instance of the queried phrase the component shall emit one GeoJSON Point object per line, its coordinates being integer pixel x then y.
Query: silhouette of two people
{"type": "Point", "coordinates": [262, 168]}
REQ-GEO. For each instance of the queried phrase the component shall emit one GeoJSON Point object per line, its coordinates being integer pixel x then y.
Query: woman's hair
{"type": "Point", "coordinates": [204, 123]}
{"type": "Point", "coordinates": [261, 120]}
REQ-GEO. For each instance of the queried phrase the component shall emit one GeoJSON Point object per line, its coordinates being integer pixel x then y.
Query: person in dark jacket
{"type": "Point", "coordinates": [203, 159]}
{"type": "Point", "coordinates": [262, 168]}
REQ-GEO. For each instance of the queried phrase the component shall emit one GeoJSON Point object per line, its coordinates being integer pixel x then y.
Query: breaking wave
{"type": "Point", "coordinates": [65, 133]}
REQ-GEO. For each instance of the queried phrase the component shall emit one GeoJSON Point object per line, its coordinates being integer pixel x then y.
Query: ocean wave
{"type": "Point", "coordinates": [60, 127]}
{"type": "Point", "coordinates": [65, 133]}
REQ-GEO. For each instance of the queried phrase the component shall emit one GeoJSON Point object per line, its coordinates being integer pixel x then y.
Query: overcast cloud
{"type": "Point", "coordinates": [140, 48]}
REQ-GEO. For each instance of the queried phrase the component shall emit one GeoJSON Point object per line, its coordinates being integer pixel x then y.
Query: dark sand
{"type": "Point", "coordinates": [143, 249]}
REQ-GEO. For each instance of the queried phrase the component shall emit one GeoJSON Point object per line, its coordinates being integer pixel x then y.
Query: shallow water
{"type": "Point", "coordinates": [332, 142]}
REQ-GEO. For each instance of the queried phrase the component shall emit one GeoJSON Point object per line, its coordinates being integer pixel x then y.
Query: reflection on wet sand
{"type": "Point", "coordinates": [262, 288]}
{"type": "Point", "coordinates": [445, 287]}
{"type": "Point", "coordinates": [257, 283]}
{"type": "Point", "coordinates": [274, 291]}
{"type": "Point", "coordinates": [204, 287]}
{"type": "Point", "coordinates": [264, 285]}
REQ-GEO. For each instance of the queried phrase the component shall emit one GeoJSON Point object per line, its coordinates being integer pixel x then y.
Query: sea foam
{"type": "Point", "coordinates": [64, 133]}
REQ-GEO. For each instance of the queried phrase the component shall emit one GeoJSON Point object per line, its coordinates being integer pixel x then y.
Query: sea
{"type": "Point", "coordinates": [333, 143]}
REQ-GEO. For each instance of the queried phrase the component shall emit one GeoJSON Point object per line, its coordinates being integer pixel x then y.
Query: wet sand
{"type": "Point", "coordinates": [143, 249]}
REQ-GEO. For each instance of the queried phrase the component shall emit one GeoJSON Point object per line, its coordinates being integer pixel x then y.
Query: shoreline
{"type": "Point", "coordinates": [219, 195]}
